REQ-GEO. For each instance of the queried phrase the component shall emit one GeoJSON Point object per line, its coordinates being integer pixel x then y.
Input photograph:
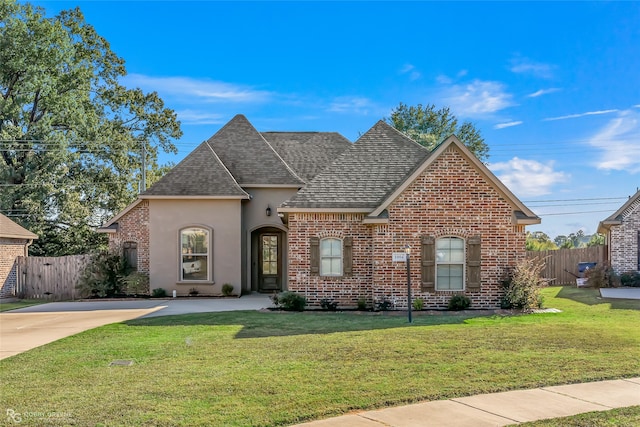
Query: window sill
{"type": "Point", "coordinates": [195, 282]}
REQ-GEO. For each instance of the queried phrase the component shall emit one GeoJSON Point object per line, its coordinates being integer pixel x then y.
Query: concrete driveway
{"type": "Point", "coordinates": [30, 327]}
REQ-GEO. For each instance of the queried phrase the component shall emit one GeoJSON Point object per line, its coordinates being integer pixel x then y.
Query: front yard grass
{"type": "Point", "coordinates": [273, 368]}
{"type": "Point", "coordinates": [6, 306]}
{"type": "Point", "coordinates": [621, 417]}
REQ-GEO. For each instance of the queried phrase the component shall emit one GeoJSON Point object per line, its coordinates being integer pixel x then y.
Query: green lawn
{"type": "Point", "coordinates": [261, 369]}
{"type": "Point", "coordinates": [6, 306]}
{"type": "Point", "coordinates": [622, 417]}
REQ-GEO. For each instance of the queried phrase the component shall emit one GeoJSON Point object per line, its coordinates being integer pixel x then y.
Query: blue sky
{"type": "Point", "coordinates": [554, 87]}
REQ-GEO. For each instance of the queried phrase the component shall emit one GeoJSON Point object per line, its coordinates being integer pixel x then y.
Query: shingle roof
{"type": "Point", "coordinates": [308, 153]}
{"type": "Point", "coordinates": [249, 157]}
{"type": "Point", "coordinates": [365, 174]}
{"type": "Point", "coordinates": [199, 174]}
{"type": "Point", "coordinates": [617, 217]}
{"type": "Point", "coordinates": [11, 230]}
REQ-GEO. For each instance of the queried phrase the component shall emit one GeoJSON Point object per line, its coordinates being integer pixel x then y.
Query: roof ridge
{"type": "Point", "coordinates": [215, 155]}
{"type": "Point", "coordinates": [289, 168]}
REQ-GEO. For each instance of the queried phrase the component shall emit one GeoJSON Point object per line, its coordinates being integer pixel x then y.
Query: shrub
{"type": "Point", "coordinates": [327, 304]}
{"type": "Point", "coordinates": [159, 293]}
{"type": "Point", "coordinates": [601, 276]}
{"type": "Point", "coordinates": [103, 276]}
{"type": "Point", "coordinates": [630, 278]}
{"type": "Point", "coordinates": [384, 305]}
{"type": "Point", "coordinates": [227, 289]}
{"type": "Point", "coordinates": [459, 302]}
{"type": "Point", "coordinates": [418, 303]}
{"type": "Point", "coordinates": [522, 287]}
{"type": "Point", "coordinates": [362, 303]}
{"type": "Point", "coordinates": [289, 301]}
{"type": "Point", "coordinates": [193, 292]}
{"type": "Point", "coordinates": [136, 283]}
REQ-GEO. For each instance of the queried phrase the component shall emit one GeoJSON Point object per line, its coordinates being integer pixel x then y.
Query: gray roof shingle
{"type": "Point", "coordinates": [199, 174]}
{"type": "Point", "coordinates": [11, 230]}
{"type": "Point", "coordinates": [365, 174]}
{"type": "Point", "coordinates": [249, 157]}
{"type": "Point", "coordinates": [308, 153]}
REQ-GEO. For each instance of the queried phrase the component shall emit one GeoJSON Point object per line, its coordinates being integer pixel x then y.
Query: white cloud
{"type": "Point", "coordinates": [528, 178]}
{"type": "Point", "coordinates": [355, 104]}
{"type": "Point", "coordinates": [636, 106]}
{"type": "Point", "coordinates": [200, 89]}
{"type": "Point", "coordinates": [543, 92]}
{"type": "Point", "coordinates": [411, 71]}
{"type": "Point", "coordinates": [507, 125]}
{"type": "Point", "coordinates": [619, 141]}
{"type": "Point", "coordinates": [523, 65]}
{"type": "Point", "coordinates": [193, 117]}
{"type": "Point", "coordinates": [588, 113]}
{"type": "Point", "coordinates": [477, 98]}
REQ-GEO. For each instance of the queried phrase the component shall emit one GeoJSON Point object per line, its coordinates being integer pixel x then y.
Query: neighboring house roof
{"type": "Point", "coordinates": [200, 174]}
{"type": "Point", "coordinates": [11, 230]}
{"type": "Point", "coordinates": [617, 217]}
{"type": "Point", "coordinates": [249, 157]}
{"type": "Point", "coordinates": [362, 177]}
{"type": "Point", "coordinates": [308, 153]}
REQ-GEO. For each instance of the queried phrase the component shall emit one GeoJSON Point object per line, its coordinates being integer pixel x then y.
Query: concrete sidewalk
{"type": "Point", "coordinates": [30, 327]}
{"type": "Point", "coordinates": [623, 293]}
{"type": "Point", "coordinates": [498, 409]}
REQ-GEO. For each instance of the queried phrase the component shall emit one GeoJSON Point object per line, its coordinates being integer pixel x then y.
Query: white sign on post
{"type": "Point", "coordinates": [399, 257]}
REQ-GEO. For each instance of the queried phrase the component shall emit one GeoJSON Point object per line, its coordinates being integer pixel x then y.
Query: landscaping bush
{"type": "Point", "coordinates": [418, 303]}
{"type": "Point", "coordinates": [289, 301]}
{"type": "Point", "coordinates": [327, 304]}
{"type": "Point", "coordinates": [384, 305]}
{"type": "Point", "coordinates": [103, 277]}
{"type": "Point", "coordinates": [630, 278]}
{"type": "Point", "coordinates": [601, 276]}
{"type": "Point", "coordinates": [459, 302]}
{"type": "Point", "coordinates": [522, 287]}
{"type": "Point", "coordinates": [227, 289]}
{"type": "Point", "coordinates": [136, 283]}
{"type": "Point", "coordinates": [159, 293]}
{"type": "Point", "coordinates": [194, 292]}
{"type": "Point", "coordinates": [362, 303]}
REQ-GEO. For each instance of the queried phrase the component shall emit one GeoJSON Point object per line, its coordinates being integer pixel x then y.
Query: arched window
{"type": "Point", "coordinates": [195, 254]}
{"type": "Point", "coordinates": [450, 264]}
{"type": "Point", "coordinates": [331, 257]}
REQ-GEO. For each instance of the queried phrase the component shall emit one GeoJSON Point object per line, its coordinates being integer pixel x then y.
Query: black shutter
{"type": "Point", "coordinates": [347, 256]}
{"type": "Point", "coordinates": [428, 263]}
{"type": "Point", "coordinates": [315, 256]}
{"type": "Point", "coordinates": [473, 263]}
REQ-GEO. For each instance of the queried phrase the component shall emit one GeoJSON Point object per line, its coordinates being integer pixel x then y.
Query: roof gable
{"type": "Point", "coordinates": [249, 157]}
{"type": "Point", "coordinates": [617, 217]}
{"type": "Point", "coordinates": [364, 174]}
{"type": "Point", "coordinates": [522, 214]}
{"type": "Point", "coordinates": [201, 173]}
{"type": "Point", "coordinates": [11, 230]}
{"type": "Point", "coordinates": [308, 153]}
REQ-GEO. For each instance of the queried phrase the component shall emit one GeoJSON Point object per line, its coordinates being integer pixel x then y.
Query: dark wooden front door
{"type": "Point", "coordinates": [270, 262]}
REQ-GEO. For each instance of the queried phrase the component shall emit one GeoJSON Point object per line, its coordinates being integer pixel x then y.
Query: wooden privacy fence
{"type": "Point", "coordinates": [52, 278]}
{"type": "Point", "coordinates": [561, 263]}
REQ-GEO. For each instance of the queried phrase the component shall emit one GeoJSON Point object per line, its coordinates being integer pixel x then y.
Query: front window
{"type": "Point", "coordinates": [331, 257]}
{"type": "Point", "coordinates": [194, 253]}
{"type": "Point", "coordinates": [450, 264]}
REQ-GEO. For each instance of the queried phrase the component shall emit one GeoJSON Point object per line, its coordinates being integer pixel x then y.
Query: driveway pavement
{"type": "Point", "coordinates": [625, 293]}
{"type": "Point", "coordinates": [30, 327]}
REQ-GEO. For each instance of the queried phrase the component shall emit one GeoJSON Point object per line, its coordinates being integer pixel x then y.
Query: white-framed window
{"type": "Point", "coordinates": [195, 254]}
{"type": "Point", "coordinates": [331, 257]}
{"type": "Point", "coordinates": [450, 264]}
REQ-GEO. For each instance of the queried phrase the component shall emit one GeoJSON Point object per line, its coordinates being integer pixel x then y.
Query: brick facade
{"type": "Point", "coordinates": [450, 198]}
{"type": "Point", "coordinates": [624, 241]}
{"type": "Point", "coordinates": [10, 250]}
{"type": "Point", "coordinates": [133, 226]}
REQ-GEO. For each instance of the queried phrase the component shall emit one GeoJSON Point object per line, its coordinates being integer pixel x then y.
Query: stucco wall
{"type": "Point", "coordinates": [624, 241]}
{"type": "Point", "coordinates": [168, 217]}
{"type": "Point", "coordinates": [10, 250]}
{"type": "Point", "coordinates": [451, 198]}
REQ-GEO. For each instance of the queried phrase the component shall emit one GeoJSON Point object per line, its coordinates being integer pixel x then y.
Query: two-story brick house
{"type": "Point", "coordinates": [315, 214]}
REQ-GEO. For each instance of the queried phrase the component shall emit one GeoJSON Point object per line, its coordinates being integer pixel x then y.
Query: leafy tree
{"type": "Point", "coordinates": [596, 239]}
{"type": "Point", "coordinates": [539, 241]}
{"type": "Point", "coordinates": [71, 136]}
{"type": "Point", "coordinates": [429, 127]}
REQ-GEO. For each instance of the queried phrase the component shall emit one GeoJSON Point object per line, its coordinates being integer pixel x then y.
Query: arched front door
{"type": "Point", "coordinates": [267, 259]}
